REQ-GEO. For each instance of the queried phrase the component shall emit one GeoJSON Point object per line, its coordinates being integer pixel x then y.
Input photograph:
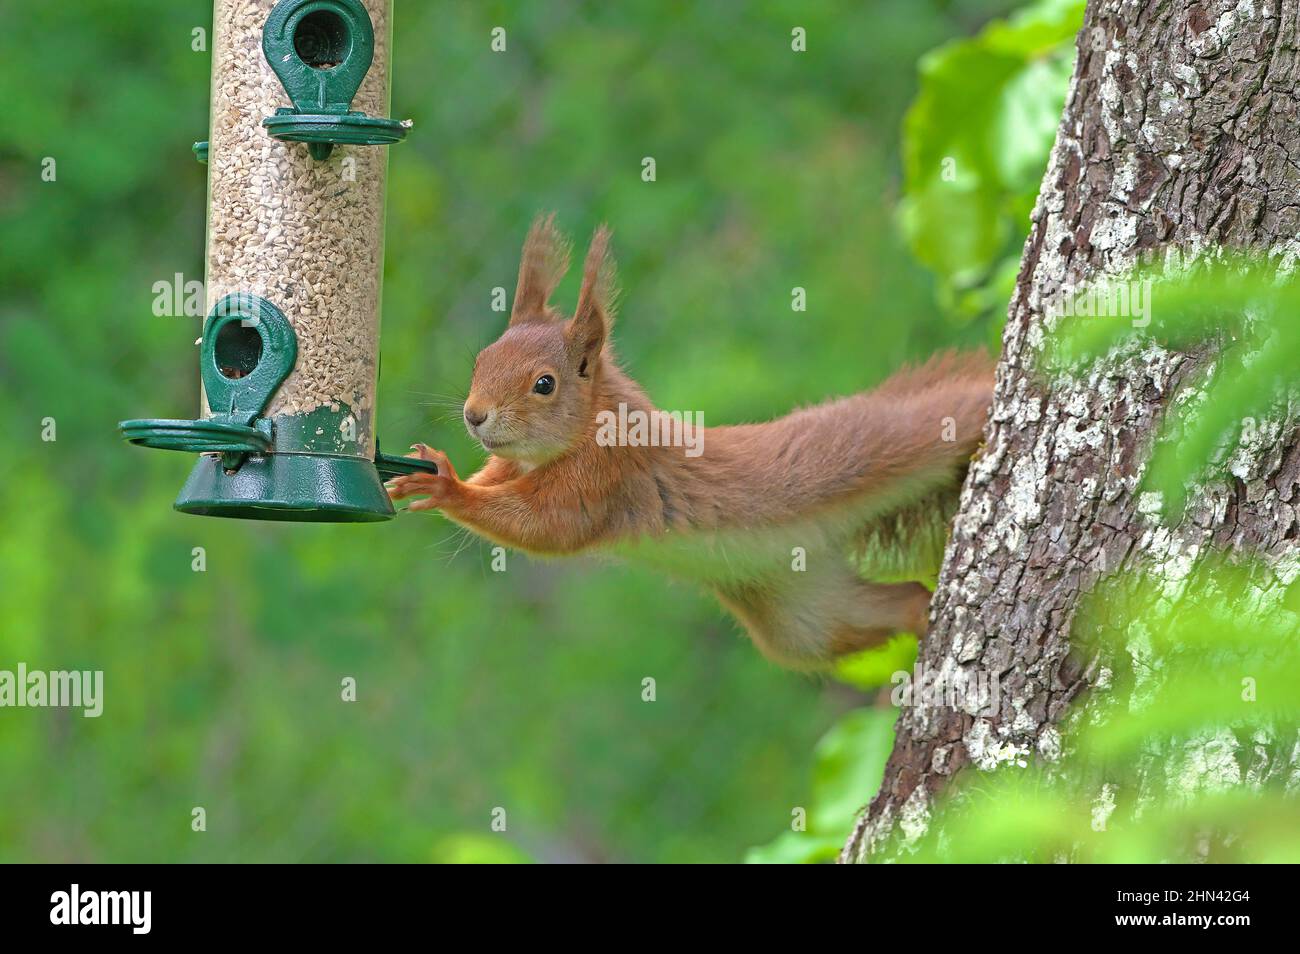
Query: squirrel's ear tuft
{"type": "Point", "coordinates": [594, 315]}
{"type": "Point", "coordinates": [545, 260]}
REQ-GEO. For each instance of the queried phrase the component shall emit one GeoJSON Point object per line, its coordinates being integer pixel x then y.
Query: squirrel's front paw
{"type": "Point", "coordinates": [436, 488]}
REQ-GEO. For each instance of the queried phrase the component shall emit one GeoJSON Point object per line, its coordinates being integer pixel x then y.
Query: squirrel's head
{"type": "Point", "coordinates": [533, 388]}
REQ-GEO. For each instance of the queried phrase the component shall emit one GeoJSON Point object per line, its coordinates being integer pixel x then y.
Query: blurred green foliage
{"type": "Point", "coordinates": [476, 690]}
{"type": "Point", "coordinates": [849, 764]}
{"type": "Point", "coordinates": [1214, 671]}
{"type": "Point", "coordinates": [975, 144]}
{"type": "Point", "coordinates": [1237, 306]}
{"type": "Point", "coordinates": [1167, 765]}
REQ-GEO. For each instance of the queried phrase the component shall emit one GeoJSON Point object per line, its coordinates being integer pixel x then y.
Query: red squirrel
{"type": "Point", "coordinates": [786, 521]}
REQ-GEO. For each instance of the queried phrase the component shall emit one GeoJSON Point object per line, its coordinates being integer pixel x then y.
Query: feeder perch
{"type": "Point", "coordinates": [294, 263]}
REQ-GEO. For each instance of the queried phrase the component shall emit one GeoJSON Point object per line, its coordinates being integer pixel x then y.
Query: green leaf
{"type": "Point", "coordinates": [795, 848]}
{"type": "Point", "coordinates": [874, 668]}
{"type": "Point", "coordinates": [467, 848]}
{"type": "Point", "coordinates": [976, 142]}
{"type": "Point", "coordinates": [849, 765]}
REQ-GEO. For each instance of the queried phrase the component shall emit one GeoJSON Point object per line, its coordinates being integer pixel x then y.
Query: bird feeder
{"type": "Point", "coordinates": [289, 351]}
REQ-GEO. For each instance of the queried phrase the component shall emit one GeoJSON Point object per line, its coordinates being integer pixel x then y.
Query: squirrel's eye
{"type": "Point", "coordinates": [544, 385]}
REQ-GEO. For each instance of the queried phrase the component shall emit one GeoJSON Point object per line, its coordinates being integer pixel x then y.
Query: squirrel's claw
{"type": "Point", "coordinates": [426, 453]}
{"type": "Point", "coordinates": [435, 487]}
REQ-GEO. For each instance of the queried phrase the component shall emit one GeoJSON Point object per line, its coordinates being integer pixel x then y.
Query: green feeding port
{"type": "Point", "coordinates": [321, 50]}
{"type": "Point", "coordinates": [237, 350]}
{"type": "Point", "coordinates": [322, 39]}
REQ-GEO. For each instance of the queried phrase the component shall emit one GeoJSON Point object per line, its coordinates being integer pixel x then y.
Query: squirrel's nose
{"type": "Point", "coordinates": [474, 418]}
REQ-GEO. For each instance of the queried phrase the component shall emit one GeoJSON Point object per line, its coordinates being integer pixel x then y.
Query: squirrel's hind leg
{"type": "Point", "coordinates": [881, 611]}
{"type": "Point", "coordinates": [807, 622]}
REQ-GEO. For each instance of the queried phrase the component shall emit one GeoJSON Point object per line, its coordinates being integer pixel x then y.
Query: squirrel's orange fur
{"type": "Point", "coordinates": [839, 480]}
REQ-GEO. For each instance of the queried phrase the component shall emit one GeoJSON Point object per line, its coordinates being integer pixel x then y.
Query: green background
{"type": "Point", "coordinates": [476, 690]}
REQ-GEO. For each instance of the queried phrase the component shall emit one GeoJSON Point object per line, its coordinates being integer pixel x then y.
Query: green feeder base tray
{"type": "Point", "coordinates": [308, 488]}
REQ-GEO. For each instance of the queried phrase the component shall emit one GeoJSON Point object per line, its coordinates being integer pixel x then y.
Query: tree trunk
{"type": "Point", "coordinates": [1180, 131]}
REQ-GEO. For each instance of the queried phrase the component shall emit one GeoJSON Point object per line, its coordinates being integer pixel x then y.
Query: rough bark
{"type": "Point", "coordinates": [1180, 132]}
